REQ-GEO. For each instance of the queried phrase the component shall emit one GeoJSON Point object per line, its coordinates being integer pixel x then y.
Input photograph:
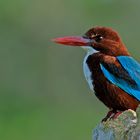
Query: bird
{"type": "Point", "coordinates": [111, 72]}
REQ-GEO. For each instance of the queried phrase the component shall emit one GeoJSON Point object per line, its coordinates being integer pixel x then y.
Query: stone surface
{"type": "Point", "coordinates": [125, 127]}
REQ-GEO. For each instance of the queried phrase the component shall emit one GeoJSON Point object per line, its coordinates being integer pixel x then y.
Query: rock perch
{"type": "Point", "coordinates": [125, 127]}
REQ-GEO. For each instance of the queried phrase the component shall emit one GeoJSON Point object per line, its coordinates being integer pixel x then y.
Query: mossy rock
{"type": "Point", "coordinates": [125, 127]}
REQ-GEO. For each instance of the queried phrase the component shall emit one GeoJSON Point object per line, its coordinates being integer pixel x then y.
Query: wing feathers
{"type": "Point", "coordinates": [126, 76]}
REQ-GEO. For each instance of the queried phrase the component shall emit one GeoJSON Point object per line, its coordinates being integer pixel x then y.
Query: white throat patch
{"type": "Point", "coordinates": [86, 69]}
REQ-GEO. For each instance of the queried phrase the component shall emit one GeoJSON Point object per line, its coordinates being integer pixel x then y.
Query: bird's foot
{"type": "Point", "coordinates": [116, 114]}
{"type": "Point", "coordinates": [112, 114]}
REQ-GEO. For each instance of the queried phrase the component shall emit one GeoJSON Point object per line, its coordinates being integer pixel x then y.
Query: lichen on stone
{"type": "Point", "coordinates": [125, 127]}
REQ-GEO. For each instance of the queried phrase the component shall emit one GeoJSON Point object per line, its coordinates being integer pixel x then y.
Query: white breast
{"type": "Point", "coordinates": [86, 69]}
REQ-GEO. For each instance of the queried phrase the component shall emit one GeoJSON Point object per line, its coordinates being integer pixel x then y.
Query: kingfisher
{"type": "Point", "coordinates": [111, 72]}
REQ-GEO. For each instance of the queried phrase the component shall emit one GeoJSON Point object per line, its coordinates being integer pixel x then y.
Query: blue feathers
{"type": "Point", "coordinates": [132, 68]}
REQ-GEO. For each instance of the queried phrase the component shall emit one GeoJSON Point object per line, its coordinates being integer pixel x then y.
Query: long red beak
{"type": "Point", "coordinates": [73, 41]}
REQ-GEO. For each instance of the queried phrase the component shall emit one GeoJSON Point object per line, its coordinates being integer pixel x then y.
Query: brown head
{"type": "Point", "coordinates": [102, 39]}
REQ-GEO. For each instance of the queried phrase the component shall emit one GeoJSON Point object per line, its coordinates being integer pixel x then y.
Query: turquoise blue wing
{"type": "Point", "coordinates": [127, 77]}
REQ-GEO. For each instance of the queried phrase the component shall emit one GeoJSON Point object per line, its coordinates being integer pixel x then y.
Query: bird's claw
{"type": "Point", "coordinates": [111, 115]}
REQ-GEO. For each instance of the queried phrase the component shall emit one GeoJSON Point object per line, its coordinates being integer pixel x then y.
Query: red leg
{"type": "Point", "coordinates": [112, 114]}
{"type": "Point", "coordinates": [116, 114]}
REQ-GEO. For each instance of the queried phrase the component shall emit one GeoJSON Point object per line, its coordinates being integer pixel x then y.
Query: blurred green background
{"type": "Point", "coordinates": [43, 93]}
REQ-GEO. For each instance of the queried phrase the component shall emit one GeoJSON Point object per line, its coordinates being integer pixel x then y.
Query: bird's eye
{"type": "Point", "coordinates": [98, 38]}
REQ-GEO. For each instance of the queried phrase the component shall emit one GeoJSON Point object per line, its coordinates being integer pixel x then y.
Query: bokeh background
{"type": "Point", "coordinates": [43, 93]}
